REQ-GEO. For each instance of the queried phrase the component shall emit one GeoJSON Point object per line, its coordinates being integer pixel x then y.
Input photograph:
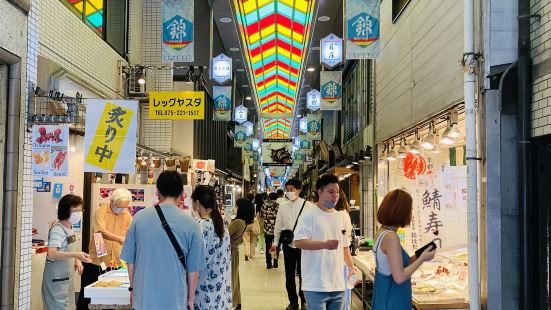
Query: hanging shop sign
{"type": "Point", "coordinates": [177, 105]}
{"type": "Point", "coordinates": [249, 127]}
{"type": "Point", "coordinates": [240, 136]}
{"type": "Point", "coordinates": [276, 171]}
{"type": "Point", "coordinates": [222, 103]}
{"type": "Point", "coordinates": [362, 29]}
{"type": "Point", "coordinates": [248, 147]}
{"type": "Point", "coordinates": [313, 100]}
{"type": "Point", "coordinates": [221, 69]}
{"type": "Point", "coordinates": [305, 144]}
{"type": "Point", "coordinates": [331, 51]}
{"type": "Point", "coordinates": [256, 144]}
{"type": "Point", "coordinates": [303, 125]}
{"type": "Point", "coordinates": [240, 114]}
{"type": "Point", "coordinates": [110, 136]}
{"type": "Point", "coordinates": [50, 146]}
{"type": "Point", "coordinates": [314, 127]}
{"type": "Point", "coordinates": [204, 171]}
{"type": "Point", "coordinates": [277, 152]}
{"type": "Point", "coordinates": [331, 90]}
{"type": "Point", "coordinates": [298, 158]}
{"type": "Point", "coordinates": [203, 165]}
{"type": "Point", "coordinates": [177, 30]}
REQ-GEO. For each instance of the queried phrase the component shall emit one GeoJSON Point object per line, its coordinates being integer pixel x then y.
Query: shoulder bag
{"type": "Point", "coordinates": [172, 238]}
{"type": "Point", "coordinates": [287, 235]}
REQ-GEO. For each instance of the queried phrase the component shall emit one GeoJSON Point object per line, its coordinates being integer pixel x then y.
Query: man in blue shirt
{"type": "Point", "coordinates": [157, 277]}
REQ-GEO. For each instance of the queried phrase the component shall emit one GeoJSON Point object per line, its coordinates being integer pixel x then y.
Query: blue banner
{"type": "Point", "coordinates": [331, 90]}
{"type": "Point", "coordinates": [314, 127]}
{"type": "Point", "coordinates": [222, 103]}
{"type": "Point", "coordinates": [177, 30]}
{"type": "Point", "coordinates": [362, 29]}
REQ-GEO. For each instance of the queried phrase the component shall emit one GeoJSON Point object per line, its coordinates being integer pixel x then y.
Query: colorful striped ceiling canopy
{"type": "Point", "coordinates": [275, 35]}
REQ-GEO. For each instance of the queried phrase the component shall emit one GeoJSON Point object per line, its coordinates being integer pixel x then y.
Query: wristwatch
{"type": "Point", "coordinates": [130, 289]}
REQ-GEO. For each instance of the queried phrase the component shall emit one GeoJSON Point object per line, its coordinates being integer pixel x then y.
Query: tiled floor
{"type": "Point", "coordinates": [265, 289]}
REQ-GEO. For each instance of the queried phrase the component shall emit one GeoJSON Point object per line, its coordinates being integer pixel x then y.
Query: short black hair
{"type": "Point", "coordinates": [245, 210]}
{"type": "Point", "coordinates": [65, 204]}
{"type": "Point", "coordinates": [273, 196]}
{"type": "Point", "coordinates": [294, 183]}
{"type": "Point", "coordinates": [250, 196]}
{"type": "Point", "coordinates": [280, 193]}
{"type": "Point", "coordinates": [170, 184]}
{"type": "Point", "coordinates": [325, 180]}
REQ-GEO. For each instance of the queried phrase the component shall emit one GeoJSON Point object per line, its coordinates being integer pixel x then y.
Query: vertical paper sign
{"type": "Point", "coordinates": [362, 29]}
{"type": "Point", "coordinates": [50, 150]}
{"type": "Point", "coordinates": [240, 136]}
{"type": "Point", "coordinates": [331, 90]}
{"type": "Point", "coordinates": [331, 51]}
{"type": "Point", "coordinates": [314, 127]}
{"type": "Point", "coordinates": [222, 103]}
{"type": "Point", "coordinates": [221, 68]}
{"type": "Point", "coordinates": [177, 30]}
{"type": "Point", "coordinates": [110, 136]}
{"type": "Point", "coordinates": [303, 125]}
{"type": "Point", "coordinates": [313, 100]}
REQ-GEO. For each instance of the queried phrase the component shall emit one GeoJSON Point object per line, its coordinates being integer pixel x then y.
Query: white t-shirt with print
{"type": "Point", "coordinates": [322, 269]}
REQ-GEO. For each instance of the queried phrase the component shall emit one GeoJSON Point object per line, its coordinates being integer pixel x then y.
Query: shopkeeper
{"type": "Point", "coordinates": [62, 259]}
{"type": "Point", "coordinates": [112, 222]}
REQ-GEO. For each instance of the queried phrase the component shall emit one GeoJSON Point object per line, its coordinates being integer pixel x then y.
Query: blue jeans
{"type": "Point", "coordinates": [324, 300]}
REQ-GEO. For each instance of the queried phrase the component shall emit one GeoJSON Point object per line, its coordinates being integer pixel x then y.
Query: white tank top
{"type": "Point", "coordinates": [380, 258]}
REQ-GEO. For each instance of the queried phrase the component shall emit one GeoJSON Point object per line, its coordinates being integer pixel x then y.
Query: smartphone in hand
{"type": "Point", "coordinates": [420, 251]}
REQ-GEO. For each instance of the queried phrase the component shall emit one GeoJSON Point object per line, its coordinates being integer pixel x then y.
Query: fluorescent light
{"type": "Point", "coordinates": [141, 81]}
{"type": "Point", "coordinates": [311, 69]}
{"type": "Point", "coordinates": [240, 70]}
{"type": "Point", "coordinates": [428, 142]}
{"type": "Point", "coordinates": [225, 20]}
{"type": "Point", "coordinates": [234, 49]}
{"type": "Point", "coordinates": [248, 98]}
{"type": "Point", "coordinates": [315, 48]}
{"type": "Point", "coordinates": [324, 18]}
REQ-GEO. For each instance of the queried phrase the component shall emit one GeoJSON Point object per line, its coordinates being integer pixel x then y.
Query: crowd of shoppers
{"type": "Point", "coordinates": [196, 261]}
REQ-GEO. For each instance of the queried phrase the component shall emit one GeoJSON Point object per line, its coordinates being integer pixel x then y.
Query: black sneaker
{"type": "Point", "coordinates": [269, 267]}
{"type": "Point", "coordinates": [275, 263]}
{"type": "Point", "coordinates": [246, 258]}
{"type": "Point", "coordinates": [292, 307]}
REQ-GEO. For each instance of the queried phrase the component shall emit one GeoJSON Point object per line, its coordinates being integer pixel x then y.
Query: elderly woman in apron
{"type": "Point", "coordinates": [62, 258]}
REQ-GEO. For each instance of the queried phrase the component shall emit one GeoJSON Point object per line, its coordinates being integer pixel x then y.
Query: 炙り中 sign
{"type": "Point", "coordinates": [177, 105]}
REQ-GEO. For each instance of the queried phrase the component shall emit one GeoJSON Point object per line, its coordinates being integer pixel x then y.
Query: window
{"type": "Point", "coordinates": [398, 7]}
{"type": "Point", "coordinates": [108, 18]}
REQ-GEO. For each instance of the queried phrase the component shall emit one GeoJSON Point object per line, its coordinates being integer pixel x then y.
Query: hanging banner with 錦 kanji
{"type": "Point", "coordinates": [222, 103]}
{"type": "Point", "coordinates": [177, 30]}
{"type": "Point", "coordinates": [110, 136]}
{"type": "Point", "coordinates": [314, 127]}
{"type": "Point", "coordinates": [331, 90]}
{"type": "Point", "coordinates": [240, 136]}
{"type": "Point", "coordinates": [305, 145]}
{"type": "Point", "coordinates": [362, 29]}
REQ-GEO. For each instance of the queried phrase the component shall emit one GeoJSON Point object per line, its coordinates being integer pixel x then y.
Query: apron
{"type": "Point", "coordinates": [387, 294]}
{"type": "Point", "coordinates": [57, 282]}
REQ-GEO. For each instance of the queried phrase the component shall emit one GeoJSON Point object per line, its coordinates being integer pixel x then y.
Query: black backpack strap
{"type": "Point", "coordinates": [171, 236]}
{"type": "Point", "coordinates": [296, 222]}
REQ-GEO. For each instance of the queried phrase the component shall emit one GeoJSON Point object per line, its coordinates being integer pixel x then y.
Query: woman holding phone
{"type": "Point", "coordinates": [392, 290]}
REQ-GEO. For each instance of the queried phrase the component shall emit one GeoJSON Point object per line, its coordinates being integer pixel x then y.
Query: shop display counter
{"type": "Point", "coordinates": [110, 291]}
{"type": "Point", "coordinates": [439, 284]}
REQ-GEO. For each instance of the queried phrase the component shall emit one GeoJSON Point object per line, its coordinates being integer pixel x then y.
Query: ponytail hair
{"type": "Point", "coordinates": [207, 198]}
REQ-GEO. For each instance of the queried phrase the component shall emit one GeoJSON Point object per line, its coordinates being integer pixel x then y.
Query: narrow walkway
{"type": "Point", "coordinates": [263, 289]}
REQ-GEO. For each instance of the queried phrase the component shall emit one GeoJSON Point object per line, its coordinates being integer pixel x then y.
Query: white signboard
{"type": "Point", "coordinates": [221, 68]}
{"type": "Point", "coordinates": [313, 100]}
{"type": "Point", "coordinates": [240, 114]}
{"type": "Point", "coordinates": [331, 51]}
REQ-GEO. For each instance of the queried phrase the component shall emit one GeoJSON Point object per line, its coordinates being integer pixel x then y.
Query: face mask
{"type": "Point", "coordinates": [328, 204]}
{"type": "Point", "coordinates": [291, 195]}
{"type": "Point", "coordinates": [118, 210]}
{"type": "Point", "coordinates": [75, 217]}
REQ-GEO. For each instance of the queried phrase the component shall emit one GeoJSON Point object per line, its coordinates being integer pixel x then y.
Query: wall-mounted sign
{"type": "Point", "coordinates": [239, 136]}
{"type": "Point", "coordinates": [303, 125]}
{"type": "Point", "coordinates": [222, 103]}
{"type": "Point", "coordinates": [331, 51]}
{"type": "Point", "coordinates": [249, 127]}
{"type": "Point", "coordinates": [177, 105]}
{"type": "Point", "coordinates": [221, 68]}
{"type": "Point", "coordinates": [50, 146]}
{"type": "Point", "coordinates": [110, 136]}
{"type": "Point", "coordinates": [331, 90]}
{"type": "Point", "coordinates": [177, 30]}
{"type": "Point", "coordinates": [277, 152]}
{"type": "Point", "coordinates": [313, 100]}
{"type": "Point", "coordinates": [362, 29]}
{"type": "Point", "coordinates": [314, 127]}
{"type": "Point", "coordinates": [240, 114]}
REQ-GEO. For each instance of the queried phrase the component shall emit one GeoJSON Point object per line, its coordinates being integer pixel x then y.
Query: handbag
{"type": "Point", "coordinates": [287, 235]}
{"type": "Point", "coordinates": [256, 227]}
{"type": "Point", "coordinates": [170, 234]}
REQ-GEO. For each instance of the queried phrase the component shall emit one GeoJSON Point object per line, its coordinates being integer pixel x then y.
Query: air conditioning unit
{"type": "Point", "coordinates": [137, 82]}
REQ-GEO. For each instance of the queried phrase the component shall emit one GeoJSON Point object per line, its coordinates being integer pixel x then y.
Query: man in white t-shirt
{"type": "Point", "coordinates": [321, 234]}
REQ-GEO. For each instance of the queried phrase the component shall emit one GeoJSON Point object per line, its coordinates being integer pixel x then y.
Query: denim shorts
{"type": "Point", "coordinates": [324, 300]}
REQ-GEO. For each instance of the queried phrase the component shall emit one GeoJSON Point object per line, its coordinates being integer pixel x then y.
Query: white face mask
{"type": "Point", "coordinates": [75, 217]}
{"type": "Point", "coordinates": [291, 195]}
{"type": "Point", "coordinates": [118, 210]}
